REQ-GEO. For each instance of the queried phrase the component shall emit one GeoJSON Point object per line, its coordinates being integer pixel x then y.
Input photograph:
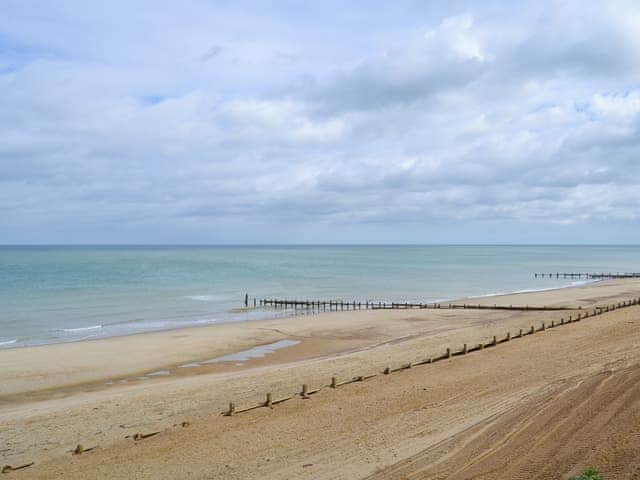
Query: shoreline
{"type": "Point", "coordinates": [66, 368]}
{"type": "Point", "coordinates": [386, 422]}
{"type": "Point", "coordinates": [6, 345]}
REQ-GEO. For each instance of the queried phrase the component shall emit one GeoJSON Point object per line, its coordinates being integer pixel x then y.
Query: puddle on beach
{"type": "Point", "coordinates": [238, 358]}
{"type": "Point", "coordinates": [255, 352]}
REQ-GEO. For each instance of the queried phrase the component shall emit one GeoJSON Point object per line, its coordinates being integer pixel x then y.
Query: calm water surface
{"type": "Point", "coordinates": [60, 294]}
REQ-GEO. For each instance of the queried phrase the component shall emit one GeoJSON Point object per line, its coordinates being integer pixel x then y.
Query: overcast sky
{"type": "Point", "coordinates": [313, 122]}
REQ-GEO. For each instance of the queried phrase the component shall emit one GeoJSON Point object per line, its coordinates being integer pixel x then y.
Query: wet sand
{"type": "Point", "coordinates": [461, 418]}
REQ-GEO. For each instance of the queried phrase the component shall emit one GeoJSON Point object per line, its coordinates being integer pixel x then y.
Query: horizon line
{"type": "Point", "coordinates": [4, 245]}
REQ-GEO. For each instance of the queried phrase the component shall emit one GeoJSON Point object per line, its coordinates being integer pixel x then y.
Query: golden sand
{"type": "Point", "coordinates": [542, 406]}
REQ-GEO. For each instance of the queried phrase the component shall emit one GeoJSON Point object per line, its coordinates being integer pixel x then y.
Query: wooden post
{"type": "Point", "coordinates": [508, 336]}
{"type": "Point", "coordinates": [520, 334]}
{"type": "Point", "coordinates": [495, 341]}
{"type": "Point", "coordinates": [387, 371]}
{"type": "Point", "coordinates": [448, 353]}
{"type": "Point", "coordinates": [533, 330]}
{"type": "Point", "coordinates": [232, 409]}
{"type": "Point", "coordinates": [464, 349]}
{"type": "Point", "coordinates": [334, 382]}
{"type": "Point", "coordinates": [246, 299]}
{"type": "Point", "coordinates": [543, 326]}
{"type": "Point", "coordinates": [305, 391]}
{"type": "Point", "coordinates": [269, 402]}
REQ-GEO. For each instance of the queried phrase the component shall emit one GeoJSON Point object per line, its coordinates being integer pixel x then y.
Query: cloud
{"type": "Point", "coordinates": [251, 122]}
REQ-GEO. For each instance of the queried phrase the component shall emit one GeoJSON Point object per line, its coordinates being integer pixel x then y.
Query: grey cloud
{"type": "Point", "coordinates": [451, 123]}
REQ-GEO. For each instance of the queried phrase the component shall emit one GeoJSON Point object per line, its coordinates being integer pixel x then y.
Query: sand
{"type": "Point", "coordinates": [543, 406]}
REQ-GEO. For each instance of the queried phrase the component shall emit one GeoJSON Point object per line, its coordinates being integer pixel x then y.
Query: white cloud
{"type": "Point", "coordinates": [191, 119]}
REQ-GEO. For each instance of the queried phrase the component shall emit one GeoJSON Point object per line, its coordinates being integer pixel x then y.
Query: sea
{"type": "Point", "coordinates": [56, 294]}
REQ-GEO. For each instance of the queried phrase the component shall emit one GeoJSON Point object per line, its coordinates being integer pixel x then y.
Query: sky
{"type": "Point", "coordinates": [319, 122]}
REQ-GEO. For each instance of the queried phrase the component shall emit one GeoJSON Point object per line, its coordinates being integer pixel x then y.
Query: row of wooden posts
{"type": "Point", "coordinates": [305, 392]}
{"type": "Point", "coordinates": [340, 305]}
{"type": "Point", "coordinates": [588, 275]}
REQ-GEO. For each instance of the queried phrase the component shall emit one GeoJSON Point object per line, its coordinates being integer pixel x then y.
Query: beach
{"type": "Point", "coordinates": [458, 418]}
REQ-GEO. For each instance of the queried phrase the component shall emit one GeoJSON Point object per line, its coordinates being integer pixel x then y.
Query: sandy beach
{"type": "Point", "coordinates": [543, 406]}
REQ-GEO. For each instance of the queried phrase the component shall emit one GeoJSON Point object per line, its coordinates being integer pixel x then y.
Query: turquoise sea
{"type": "Point", "coordinates": [60, 294]}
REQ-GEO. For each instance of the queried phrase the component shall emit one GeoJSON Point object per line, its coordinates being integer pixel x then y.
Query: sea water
{"type": "Point", "coordinates": [60, 294]}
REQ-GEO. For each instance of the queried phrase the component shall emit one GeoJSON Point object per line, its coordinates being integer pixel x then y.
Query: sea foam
{"type": "Point", "coordinates": [82, 329]}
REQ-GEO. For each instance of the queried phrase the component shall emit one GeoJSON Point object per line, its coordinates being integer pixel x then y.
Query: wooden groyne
{"type": "Point", "coordinates": [340, 305]}
{"type": "Point", "coordinates": [594, 276]}
{"type": "Point", "coordinates": [448, 355]}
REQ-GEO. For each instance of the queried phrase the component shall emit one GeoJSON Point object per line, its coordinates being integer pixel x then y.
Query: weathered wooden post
{"type": "Point", "coordinates": [232, 409]}
{"type": "Point", "coordinates": [448, 353]}
{"type": "Point", "coordinates": [269, 401]}
{"type": "Point", "coordinates": [305, 391]}
{"type": "Point", "coordinates": [543, 327]}
{"type": "Point", "coordinates": [334, 382]}
{"type": "Point", "coordinates": [387, 371]}
{"type": "Point", "coordinates": [495, 341]}
{"type": "Point", "coordinates": [464, 349]}
{"type": "Point", "coordinates": [520, 334]}
{"type": "Point", "coordinates": [508, 336]}
{"type": "Point", "coordinates": [533, 330]}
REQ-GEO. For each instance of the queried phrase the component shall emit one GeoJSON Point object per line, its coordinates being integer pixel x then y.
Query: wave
{"type": "Point", "coordinates": [8, 342]}
{"type": "Point", "coordinates": [82, 329]}
{"type": "Point", "coordinates": [576, 283]}
{"type": "Point", "coordinates": [206, 298]}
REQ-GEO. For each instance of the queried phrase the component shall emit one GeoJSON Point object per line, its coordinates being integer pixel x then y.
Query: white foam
{"type": "Point", "coordinates": [204, 298]}
{"type": "Point", "coordinates": [81, 329]}
{"type": "Point", "coordinates": [9, 342]}
{"type": "Point", "coordinates": [576, 283]}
